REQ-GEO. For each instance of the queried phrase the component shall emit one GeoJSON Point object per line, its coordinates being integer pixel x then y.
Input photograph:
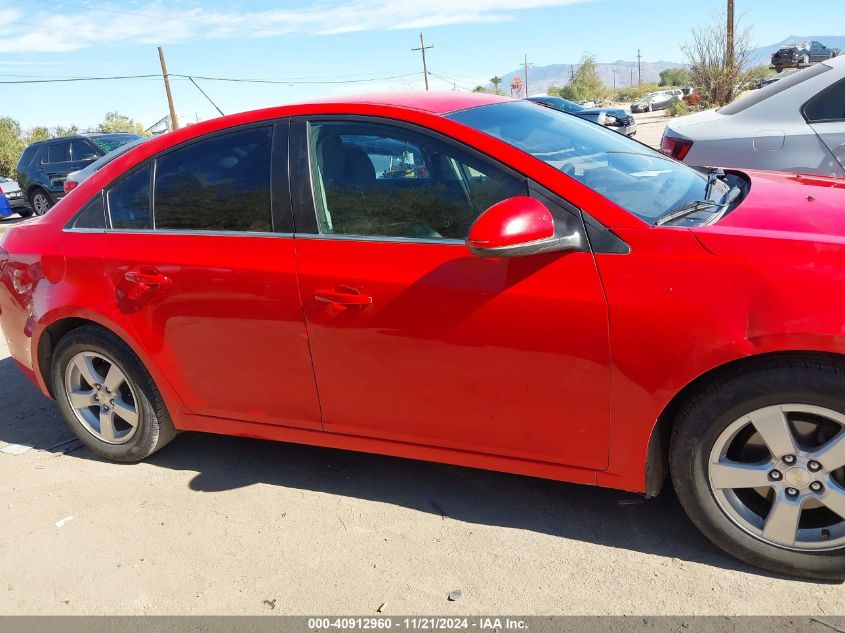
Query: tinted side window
{"type": "Point", "coordinates": [92, 216]}
{"type": "Point", "coordinates": [129, 201]}
{"type": "Point", "coordinates": [828, 105]}
{"type": "Point", "coordinates": [80, 150]}
{"type": "Point", "coordinates": [218, 184]}
{"type": "Point", "coordinates": [380, 180]}
{"type": "Point", "coordinates": [58, 153]}
{"type": "Point", "coordinates": [27, 156]}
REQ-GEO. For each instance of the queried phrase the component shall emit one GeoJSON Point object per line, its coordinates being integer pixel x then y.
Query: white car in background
{"type": "Point", "coordinates": [12, 190]}
{"type": "Point", "coordinates": [795, 125]}
{"type": "Point", "coordinates": [75, 178]}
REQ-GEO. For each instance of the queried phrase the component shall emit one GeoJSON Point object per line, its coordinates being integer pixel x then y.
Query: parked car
{"type": "Point", "coordinates": [616, 119]}
{"type": "Point", "coordinates": [74, 178]}
{"type": "Point", "coordinates": [545, 297]}
{"type": "Point", "coordinates": [44, 165]}
{"type": "Point", "coordinates": [798, 55]}
{"type": "Point", "coordinates": [794, 125]}
{"type": "Point", "coordinates": [657, 100]}
{"type": "Point", "coordinates": [11, 191]}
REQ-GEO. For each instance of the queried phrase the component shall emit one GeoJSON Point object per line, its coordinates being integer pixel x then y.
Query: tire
{"type": "Point", "coordinates": [791, 387]}
{"type": "Point", "coordinates": [778, 69]}
{"type": "Point", "coordinates": [40, 201]}
{"type": "Point", "coordinates": [25, 213]}
{"type": "Point", "coordinates": [152, 428]}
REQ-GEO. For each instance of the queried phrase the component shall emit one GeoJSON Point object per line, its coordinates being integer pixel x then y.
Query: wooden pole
{"type": "Point", "coordinates": [174, 122]}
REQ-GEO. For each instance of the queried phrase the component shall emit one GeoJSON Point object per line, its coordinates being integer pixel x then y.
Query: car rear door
{"type": "Point", "coordinates": [56, 164]}
{"type": "Point", "coordinates": [825, 113]}
{"type": "Point", "coordinates": [204, 269]}
{"type": "Point", "coordinates": [416, 340]}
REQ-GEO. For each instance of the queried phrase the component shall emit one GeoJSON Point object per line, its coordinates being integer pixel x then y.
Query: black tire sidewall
{"type": "Point", "coordinates": [698, 428]}
{"type": "Point", "coordinates": [147, 437]}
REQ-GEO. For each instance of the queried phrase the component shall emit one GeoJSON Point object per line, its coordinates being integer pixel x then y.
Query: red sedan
{"type": "Point", "coordinates": [465, 279]}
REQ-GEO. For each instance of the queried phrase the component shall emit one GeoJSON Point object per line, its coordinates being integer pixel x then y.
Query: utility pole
{"type": "Point", "coordinates": [526, 74]}
{"type": "Point", "coordinates": [729, 48]}
{"type": "Point", "coordinates": [174, 122]}
{"type": "Point", "coordinates": [639, 70]}
{"type": "Point", "coordinates": [422, 49]}
{"type": "Point", "coordinates": [614, 80]}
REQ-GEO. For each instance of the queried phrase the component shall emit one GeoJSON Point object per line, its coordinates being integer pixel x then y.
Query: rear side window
{"type": "Point", "coordinates": [218, 184]}
{"type": "Point", "coordinates": [27, 156]}
{"type": "Point", "coordinates": [57, 153]}
{"type": "Point", "coordinates": [828, 105]}
{"type": "Point", "coordinates": [92, 216]}
{"type": "Point", "coordinates": [129, 201]}
{"type": "Point", "coordinates": [772, 89]}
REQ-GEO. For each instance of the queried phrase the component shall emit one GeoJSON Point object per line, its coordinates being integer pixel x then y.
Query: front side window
{"type": "Point", "coordinates": [80, 150]}
{"type": "Point", "coordinates": [637, 178]}
{"type": "Point", "coordinates": [58, 153]}
{"type": "Point", "coordinates": [129, 201]}
{"type": "Point", "coordinates": [217, 184]}
{"type": "Point", "coordinates": [385, 181]}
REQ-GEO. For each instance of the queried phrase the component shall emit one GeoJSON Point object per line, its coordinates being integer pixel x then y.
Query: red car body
{"type": "Point", "coordinates": [560, 365]}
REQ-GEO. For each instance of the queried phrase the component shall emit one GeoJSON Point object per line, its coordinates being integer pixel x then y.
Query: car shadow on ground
{"type": "Point", "coordinates": [596, 515]}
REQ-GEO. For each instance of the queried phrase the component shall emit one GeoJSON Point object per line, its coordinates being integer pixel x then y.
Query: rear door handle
{"type": "Point", "coordinates": [145, 278]}
{"type": "Point", "coordinates": [343, 296]}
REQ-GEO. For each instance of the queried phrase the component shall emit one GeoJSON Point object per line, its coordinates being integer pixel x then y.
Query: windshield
{"type": "Point", "coordinates": [558, 102]}
{"type": "Point", "coordinates": [637, 178]}
{"type": "Point", "coordinates": [113, 141]}
{"type": "Point", "coordinates": [122, 149]}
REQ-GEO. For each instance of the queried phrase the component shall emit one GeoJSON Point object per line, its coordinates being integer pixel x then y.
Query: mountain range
{"type": "Point", "coordinates": [540, 78]}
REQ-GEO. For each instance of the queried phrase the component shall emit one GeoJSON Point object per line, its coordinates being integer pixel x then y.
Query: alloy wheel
{"type": "Point", "coordinates": [102, 397]}
{"type": "Point", "coordinates": [40, 203]}
{"type": "Point", "coordinates": [778, 473]}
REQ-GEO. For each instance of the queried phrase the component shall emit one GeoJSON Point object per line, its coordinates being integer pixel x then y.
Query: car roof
{"type": "Point", "coordinates": [82, 135]}
{"type": "Point", "coordinates": [433, 102]}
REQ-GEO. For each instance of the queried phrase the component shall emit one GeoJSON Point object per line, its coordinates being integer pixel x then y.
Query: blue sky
{"type": "Point", "coordinates": [329, 40]}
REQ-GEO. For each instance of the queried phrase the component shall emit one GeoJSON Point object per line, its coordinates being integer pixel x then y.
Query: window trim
{"type": "Point", "coordinates": [306, 224]}
{"type": "Point", "coordinates": [281, 216]}
{"type": "Point", "coordinates": [818, 95]}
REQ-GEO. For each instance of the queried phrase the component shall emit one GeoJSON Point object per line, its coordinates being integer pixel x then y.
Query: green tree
{"type": "Point", "coordinates": [39, 133]}
{"type": "Point", "coordinates": [116, 122]}
{"type": "Point", "coordinates": [585, 83]}
{"type": "Point", "coordinates": [480, 89]}
{"type": "Point", "coordinates": [633, 93]}
{"type": "Point", "coordinates": [11, 146]}
{"type": "Point", "coordinates": [674, 77]}
{"type": "Point", "coordinates": [65, 131]}
{"type": "Point", "coordinates": [496, 81]}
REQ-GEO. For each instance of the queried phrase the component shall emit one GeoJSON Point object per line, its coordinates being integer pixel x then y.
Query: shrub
{"type": "Point", "coordinates": [678, 108]}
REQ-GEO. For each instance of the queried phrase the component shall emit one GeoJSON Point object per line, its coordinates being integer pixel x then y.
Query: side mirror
{"type": "Point", "coordinates": [517, 227]}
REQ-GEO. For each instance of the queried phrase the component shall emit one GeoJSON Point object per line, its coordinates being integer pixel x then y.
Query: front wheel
{"type": "Point", "coordinates": [758, 463]}
{"type": "Point", "coordinates": [107, 397]}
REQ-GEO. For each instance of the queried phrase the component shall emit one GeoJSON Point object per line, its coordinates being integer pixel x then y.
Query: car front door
{"type": "Point", "coordinates": [416, 340]}
{"type": "Point", "coordinates": [204, 269]}
{"type": "Point", "coordinates": [825, 113]}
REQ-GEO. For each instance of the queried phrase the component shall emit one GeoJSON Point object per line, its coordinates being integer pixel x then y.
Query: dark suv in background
{"type": "Point", "coordinates": [43, 166]}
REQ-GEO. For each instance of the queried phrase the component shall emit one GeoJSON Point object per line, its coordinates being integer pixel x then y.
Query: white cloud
{"type": "Point", "coordinates": [56, 27]}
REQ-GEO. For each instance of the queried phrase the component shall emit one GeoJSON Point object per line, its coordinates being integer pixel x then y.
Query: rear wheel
{"type": "Point", "coordinates": [758, 462]}
{"type": "Point", "coordinates": [107, 397]}
{"type": "Point", "coordinates": [40, 201]}
{"type": "Point", "coordinates": [25, 213]}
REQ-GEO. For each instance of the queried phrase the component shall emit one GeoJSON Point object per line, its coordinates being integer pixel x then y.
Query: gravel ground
{"type": "Point", "coordinates": [214, 525]}
{"type": "Point", "coordinates": [650, 126]}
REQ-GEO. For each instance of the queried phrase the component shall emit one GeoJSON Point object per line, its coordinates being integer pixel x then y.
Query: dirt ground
{"type": "Point", "coordinates": [650, 126]}
{"type": "Point", "coordinates": [216, 525]}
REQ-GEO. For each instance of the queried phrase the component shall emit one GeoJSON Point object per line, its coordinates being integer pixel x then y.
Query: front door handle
{"type": "Point", "coordinates": [343, 297]}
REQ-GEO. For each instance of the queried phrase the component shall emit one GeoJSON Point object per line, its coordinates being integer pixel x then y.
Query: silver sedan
{"type": "Point", "coordinates": [796, 124]}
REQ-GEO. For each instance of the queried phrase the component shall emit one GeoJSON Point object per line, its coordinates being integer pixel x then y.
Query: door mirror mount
{"type": "Point", "coordinates": [518, 227]}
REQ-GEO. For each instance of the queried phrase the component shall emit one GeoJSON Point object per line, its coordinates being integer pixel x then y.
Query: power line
{"type": "Point", "coordinates": [290, 82]}
{"type": "Point", "coordinates": [206, 96]}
